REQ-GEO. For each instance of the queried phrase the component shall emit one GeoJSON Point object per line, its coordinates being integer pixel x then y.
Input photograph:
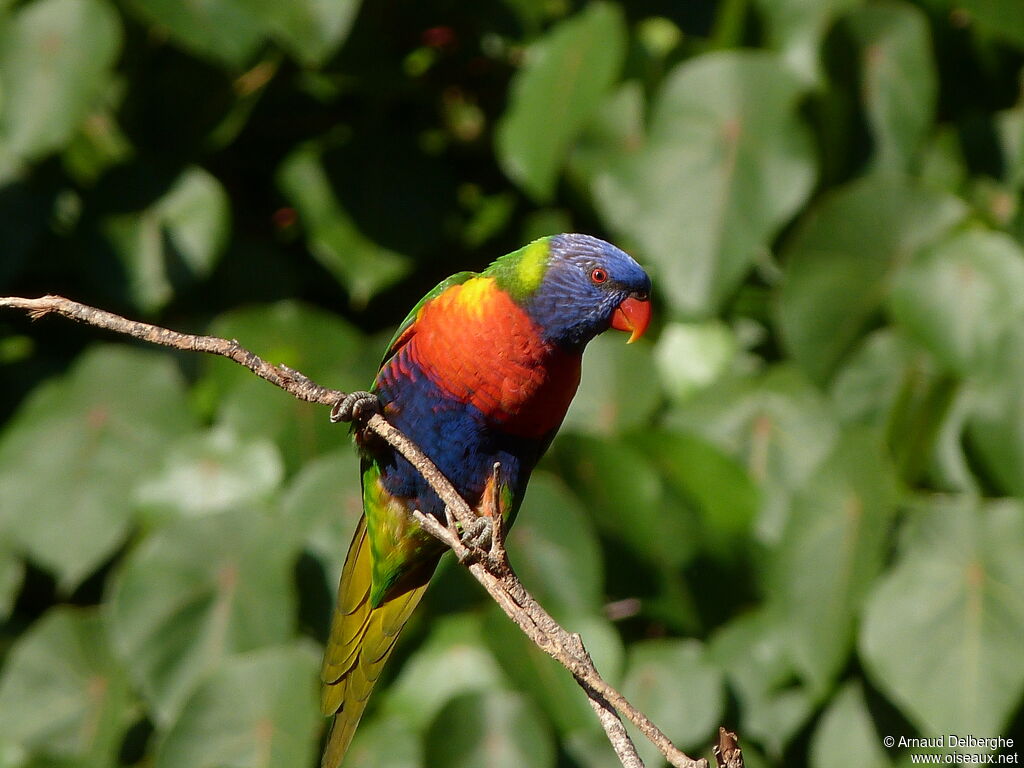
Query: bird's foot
{"type": "Point", "coordinates": [477, 536]}
{"type": "Point", "coordinates": [355, 406]}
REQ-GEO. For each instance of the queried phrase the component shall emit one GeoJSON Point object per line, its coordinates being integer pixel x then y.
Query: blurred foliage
{"type": "Point", "coordinates": [790, 510]}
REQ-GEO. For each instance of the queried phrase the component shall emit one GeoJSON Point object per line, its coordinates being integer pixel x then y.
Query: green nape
{"type": "Point", "coordinates": [521, 272]}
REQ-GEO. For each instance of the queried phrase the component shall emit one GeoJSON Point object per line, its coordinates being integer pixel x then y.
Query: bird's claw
{"type": "Point", "coordinates": [477, 536]}
{"type": "Point", "coordinates": [355, 406]}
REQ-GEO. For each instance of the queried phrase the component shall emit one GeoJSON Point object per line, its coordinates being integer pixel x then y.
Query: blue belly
{"type": "Point", "coordinates": [457, 437]}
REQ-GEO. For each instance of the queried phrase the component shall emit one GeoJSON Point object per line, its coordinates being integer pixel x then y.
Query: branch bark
{"type": "Point", "coordinates": [727, 751]}
{"type": "Point", "coordinates": [487, 562]}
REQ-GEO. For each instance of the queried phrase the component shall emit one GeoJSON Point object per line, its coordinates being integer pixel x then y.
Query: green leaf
{"type": "Point", "coordinates": [691, 356]}
{"type": "Point", "coordinates": [452, 660]}
{"type": "Point", "coordinates": [547, 682]}
{"type": "Point", "coordinates": [795, 29]}
{"type": "Point", "coordinates": [999, 18]}
{"type": "Point", "coordinates": [961, 297]}
{"type": "Point", "coordinates": [230, 31]}
{"type": "Point", "coordinates": [839, 264]}
{"type": "Point", "coordinates": [725, 164]}
{"type": "Point", "coordinates": [556, 549]}
{"type": "Point", "coordinates": [489, 216]}
{"type": "Point", "coordinates": [896, 386]}
{"type": "Point", "coordinates": [224, 31]}
{"type": "Point", "coordinates": [846, 729]}
{"type": "Point", "coordinates": [12, 574]}
{"type": "Point", "coordinates": [212, 472]}
{"type": "Point", "coordinates": [56, 57]}
{"type": "Point", "coordinates": [532, 13]}
{"type": "Point", "coordinates": [493, 728]}
{"type": "Point", "coordinates": [74, 452]}
{"type": "Point", "coordinates": [949, 618]}
{"type": "Point", "coordinates": [753, 651]}
{"type": "Point", "coordinates": [591, 748]}
{"type": "Point", "coordinates": [62, 693]}
{"type": "Point", "coordinates": [716, 489]}
{"type": "Point", "coordinates": [566, 73]}
{"type": "Point", "coordinates": [321, 345]}
{"type": "Point", "coordinates": [195, 592]}
{"type": "Point", "coordinates": [614, 393]}
{"type": "Point", "coordinates": [831, 551]}
{"type": "Point", "coordinates": [99, 144]}
{"type": "Point", "coordinates": [951, 470]}
{"type": "Point", "coordinates": [777, 426]}
{"type": "Point", "coordinates": [898, 79]}
{"type": "Point", "coordinates": [614, 131]}
{"type": "Point", "coordinates": [672, 683]}
{"type": "Point", "coordinates": [174, 242]}
{"type": "Point", "coordinates": [873, 378]}
{"type": "Point", "coordinates": [626, 497]}
{"type": "Point", "coordinates": [943, 165]}
{"type": "Point", "coordinates": [994, 202]}
{"type": "Point", "coordinates": [385, 742]}
{"type": "Point", "coordinates": [362, 266]}
{"type": "Point", "coordinates": [195, 212]}
{"type": "Point", "coordinates": [323, 504]}
{"type": "Point", "coordinates": [1009, 127]}
{"type": "Point", "coordinates": [311, 30]}
{"type": "Point", "coordinates": [659, 37]}
{"type": "Point", "coordinates": [256, 711]}
{"type": "Point", "coordinates": [995, 411]}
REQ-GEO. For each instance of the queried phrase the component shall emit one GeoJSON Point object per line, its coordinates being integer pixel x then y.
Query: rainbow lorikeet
{"type": "Point", "coordinates": [482, 371]}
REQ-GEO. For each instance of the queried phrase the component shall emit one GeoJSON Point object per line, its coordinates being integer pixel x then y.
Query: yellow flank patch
{"type": "Point", "coordinates": [471, 296]}
{"type": "Point", "coordinates": [532, 265]}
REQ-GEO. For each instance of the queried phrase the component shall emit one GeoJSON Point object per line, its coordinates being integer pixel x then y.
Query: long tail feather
{"type": "Point", "coordinates": [362, 637]}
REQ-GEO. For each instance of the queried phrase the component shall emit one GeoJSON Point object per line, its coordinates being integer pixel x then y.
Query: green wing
{"type": "Point", "coordinates": [388, 548]}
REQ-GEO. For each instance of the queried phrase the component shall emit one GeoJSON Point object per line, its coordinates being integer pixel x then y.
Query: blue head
{"type": "Point", "coordinates": [587, 286]}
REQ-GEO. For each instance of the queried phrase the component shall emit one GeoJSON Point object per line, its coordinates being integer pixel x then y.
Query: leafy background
{"type": "Point", "coordinates": [795, 509]}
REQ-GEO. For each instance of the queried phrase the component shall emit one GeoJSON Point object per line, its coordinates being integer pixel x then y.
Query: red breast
{"type": "Point", "coordinates": [480, 347]}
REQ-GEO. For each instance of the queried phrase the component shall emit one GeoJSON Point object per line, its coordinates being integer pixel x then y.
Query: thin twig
{"type": "Point", "coordinates": [727, 751]}
{"type": "Point", "coordinates": [613, 728]}
{"type": "Point", "coordinates": [281, 376]}
{"type": "Point", "coordinates": [490, 567]}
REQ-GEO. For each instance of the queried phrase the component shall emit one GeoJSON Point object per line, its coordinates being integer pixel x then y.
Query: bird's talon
{"type": "Point", "coordinates": [478, 534]}
{"type": "Point", "coordinates": [355, 406]}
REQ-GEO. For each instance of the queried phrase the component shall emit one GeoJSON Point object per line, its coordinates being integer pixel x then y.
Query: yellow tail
{"type": "Point", "coordinates": [361, 640]}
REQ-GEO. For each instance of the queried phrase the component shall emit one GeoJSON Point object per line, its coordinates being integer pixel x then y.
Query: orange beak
{"type": "Point", "coordinates": [632, 315]}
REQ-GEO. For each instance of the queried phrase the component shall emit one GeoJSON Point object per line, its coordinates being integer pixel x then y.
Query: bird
{"type": "Point", "coordinates": [481, 372]}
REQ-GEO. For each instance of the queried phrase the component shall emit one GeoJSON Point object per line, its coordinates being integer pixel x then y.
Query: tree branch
{"type": "Point", "coordinates": [727, 751]}
{"type": "Point", "coordinates": [489, 566]}
{"type": "Point", "coordinates": [278, 375]}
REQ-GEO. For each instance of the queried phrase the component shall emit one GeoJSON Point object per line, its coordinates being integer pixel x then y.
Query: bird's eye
{"type": "Point", "coordinates": [598, 275]}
